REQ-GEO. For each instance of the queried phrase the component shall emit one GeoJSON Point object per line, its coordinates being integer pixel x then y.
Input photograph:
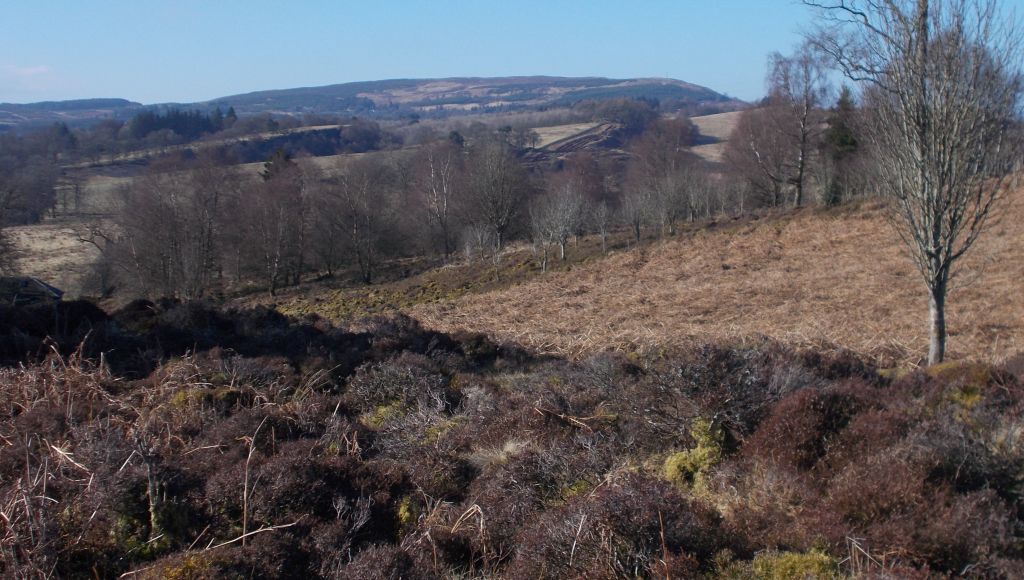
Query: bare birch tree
{"type": "Point", "coordinates": [942, 85]}
{"type": "Point", "coordinates": [798, 88]}
{"type": "Point", "coordinates": [440, 165]}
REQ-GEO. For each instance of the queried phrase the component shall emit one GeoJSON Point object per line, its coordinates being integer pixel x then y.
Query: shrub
{"type": "Point", "coordinates": [633, 526]}
{"type": "Point", "coordinates": [801, 427]}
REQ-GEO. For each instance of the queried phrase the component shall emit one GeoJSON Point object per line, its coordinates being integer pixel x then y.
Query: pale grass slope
{"type": "Point", "coordinates": [52, 252]}
{"type": "Point", "coordinates": [813, 279]}
{"type": "Point", "coordinates": [717, 127]}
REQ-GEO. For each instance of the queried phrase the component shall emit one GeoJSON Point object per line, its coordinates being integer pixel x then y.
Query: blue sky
{"type": "Point", "coordinates": [185, 50]}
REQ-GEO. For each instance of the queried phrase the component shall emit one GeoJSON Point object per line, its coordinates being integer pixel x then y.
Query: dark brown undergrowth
{"type": "Point", "coordinates": [180, 441]}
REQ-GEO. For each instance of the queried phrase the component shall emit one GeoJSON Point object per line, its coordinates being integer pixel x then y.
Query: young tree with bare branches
{"type": "Point", "coordinates": [942, 83]}
{"type": "Point", "coordinates": [556, 217]}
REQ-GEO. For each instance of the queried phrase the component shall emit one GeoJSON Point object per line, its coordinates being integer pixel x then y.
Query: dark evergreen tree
{"type": "Point", "coordinates": [840, 146]}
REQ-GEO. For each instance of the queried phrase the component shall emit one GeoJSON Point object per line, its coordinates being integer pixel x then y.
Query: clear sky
{"type": "Point", "coordinates": [189, 50]}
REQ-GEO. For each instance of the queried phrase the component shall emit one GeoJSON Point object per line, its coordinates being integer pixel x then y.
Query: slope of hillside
{"type": "Point", "coordinates": [832, 279]}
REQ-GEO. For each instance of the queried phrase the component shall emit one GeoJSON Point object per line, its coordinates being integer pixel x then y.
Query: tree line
{"type": "Point", "coordinates": [192, 227]}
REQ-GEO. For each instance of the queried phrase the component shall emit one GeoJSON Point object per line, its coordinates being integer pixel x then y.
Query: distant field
{"type": "Point", "coordinates": [549, 135]}
{"type": "Point", "coordinates": [718, 126]}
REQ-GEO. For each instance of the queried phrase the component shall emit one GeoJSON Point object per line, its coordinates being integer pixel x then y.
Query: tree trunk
{"type": "Point", "coordinates": [937, 323]}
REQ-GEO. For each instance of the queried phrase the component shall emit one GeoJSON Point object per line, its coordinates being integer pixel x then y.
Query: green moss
{"type": "Point", "coordinates": [408, 513]}
{"type": "Point", "coordinates": [188, 397]}
{"type": "Point", "coordinates": [788, 565]}
{"type": "Point", "coordinates": [975, 374]}
{"type": "Point", "coordinates": [966, 397]}
{"type": "Point", "coordinates": [727, 567]}
{"type": "Point", "coordinates": [578, 487]}
{"type": "Point", "coordinates": [226, 396]}
{"type": "Point", "coordinates": [192, 566]}
{"type": "Point", "coordinates": [434, 432]}
{"type": "Point", "coordinates": [383, 413]}
{"type": "Point", "coordinates": [219, 379]}
{"type": "Point", "coordinates": [894, 373]}
{"type": "Point", "coordinates": [688, 469]}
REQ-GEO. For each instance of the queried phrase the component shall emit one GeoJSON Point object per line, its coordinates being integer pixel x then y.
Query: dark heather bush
{"type": "Point", "coordinates": [801, 427]}
{"type": "Point", "coordinates": [632, 526]}
{"type": "Point", "coordinates": [181, 440]}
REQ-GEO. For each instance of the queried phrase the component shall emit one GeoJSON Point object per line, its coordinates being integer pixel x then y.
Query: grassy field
{"type": "Point", "coordinates": [810, 278]}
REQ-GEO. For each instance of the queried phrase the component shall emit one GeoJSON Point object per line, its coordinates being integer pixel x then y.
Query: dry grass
{"type": "Point", "coordinates": [718, 128]}
{"type": "Point", "coordinates": [51, 251]}
{"type": "Point", "coordinates": [822, 279]}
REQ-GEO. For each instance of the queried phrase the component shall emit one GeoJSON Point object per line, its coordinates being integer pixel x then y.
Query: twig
{"type": "Point", "coordinates": [253, 533]}
{"type": "Point", "coordinates": [245, 485]}
{"type": "Point", "coordinates": [579, 531]}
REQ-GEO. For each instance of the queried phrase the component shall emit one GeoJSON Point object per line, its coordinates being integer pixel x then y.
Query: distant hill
{"type": "Point", "coordinates": [394, 98]}
{"type": "Point", "coordinates": [450, 95]}
{"type": "Point", "coordinates": [74, 112]}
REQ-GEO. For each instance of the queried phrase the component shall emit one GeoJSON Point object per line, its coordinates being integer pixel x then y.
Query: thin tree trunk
{"type": "Point", "coordinates": [937, 324]}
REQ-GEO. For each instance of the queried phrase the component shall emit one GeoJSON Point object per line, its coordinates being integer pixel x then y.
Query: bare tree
{"type": "Point", "coordinates": [942, 86]}
{"type": "Point", "coordinates": [756, 151]}
{"type": "Point", "coordinates": [663, 166]}
{"type": "Point", "coordinates": [798, 87]}
{"type": "Point", "coordinates": [440, 166]}
{"type": "Point", "coordinates": [273, 219]}
{"type": "Point", "coordinates": [169, 228]}
{"type": "Point", "coordinates": [772, 146]}
{"type": "Point", "coordinates": [497, 190]}
{"type": "Point", "coordinates": [636, 210]}
{"type": "Point", "coordinates": [599, 218]}
{"type": "Point", "coordinates": [554, 218]}
{"type": "Point", "coordinates": [364, 212]}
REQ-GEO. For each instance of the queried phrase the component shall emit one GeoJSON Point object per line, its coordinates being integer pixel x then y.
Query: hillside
{"type": "Point", "coordinates": [806, 279]}
{"type": "Point", "coordinates": [812, 278]}
{"type": "Point", "coordinates": [73, 112]}
{"type": "Point", "coordinates": [388, 99]}
{"type": "Point", "coordinates": [464, 94]}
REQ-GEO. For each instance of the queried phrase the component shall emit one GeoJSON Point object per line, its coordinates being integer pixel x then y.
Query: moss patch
{"type": "Point", "coordinates": [789, 565]}
{"type": "Point", "coordinates": [688, 469]}
{"type": "Point", "coordinates": [383, 413]}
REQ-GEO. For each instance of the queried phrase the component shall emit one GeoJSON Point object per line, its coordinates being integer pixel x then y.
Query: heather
{"type": "Point", "coordinates": [180, 440]}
